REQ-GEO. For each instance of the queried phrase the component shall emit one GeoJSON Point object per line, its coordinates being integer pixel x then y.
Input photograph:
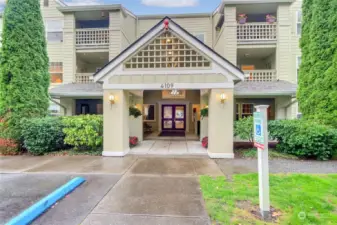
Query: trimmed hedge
{"type": "Point", "coordinates": [84, 132]}
{"type": "Point", "coordinates": [304, 138]}
{"type": "Point", "coordinates": [42, 135]}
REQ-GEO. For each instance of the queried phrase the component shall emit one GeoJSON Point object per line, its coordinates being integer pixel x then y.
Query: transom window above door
{"type": "Point", "coordinates": [167, 51]}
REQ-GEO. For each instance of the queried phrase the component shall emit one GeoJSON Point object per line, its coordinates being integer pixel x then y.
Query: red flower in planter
{"type": "Point", "coordinates": [133, 141]}
{"type": "Point", "coordinates": [205, 142]}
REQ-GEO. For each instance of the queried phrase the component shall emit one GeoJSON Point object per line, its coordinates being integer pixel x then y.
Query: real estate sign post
{"type": "Point", "coordinates": [261, 142]}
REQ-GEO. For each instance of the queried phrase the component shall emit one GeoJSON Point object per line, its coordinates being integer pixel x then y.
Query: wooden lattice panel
{"type": "Point", "coordinates": [167, 51]}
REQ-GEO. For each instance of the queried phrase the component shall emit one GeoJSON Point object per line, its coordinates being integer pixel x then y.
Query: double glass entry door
{"type": "Point", "coordinates": [173, 117]}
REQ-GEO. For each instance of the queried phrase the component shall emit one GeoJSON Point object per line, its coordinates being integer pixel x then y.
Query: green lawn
{"type": "Point", "coordinates": [231, 202]}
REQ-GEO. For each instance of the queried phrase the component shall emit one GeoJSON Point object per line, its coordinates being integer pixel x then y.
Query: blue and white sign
{"type": "Point", "coordinates": [258, 131]}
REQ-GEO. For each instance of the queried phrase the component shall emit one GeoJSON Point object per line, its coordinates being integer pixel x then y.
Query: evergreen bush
{"type": "Point", "coordinates": [304, 138]}
{"type": "Point", "coordinates": [42, 135]}
{"type": "Point", "coordinates": [317, 90]}
{"type": "Point", "coordinates": [24, 76]}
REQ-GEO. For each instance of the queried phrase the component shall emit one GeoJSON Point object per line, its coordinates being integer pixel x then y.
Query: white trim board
{"type": "Point", "coordinates": [115, 154]}
{"type": "Point", "coordinates": [220, 155]}
{"type": "Point", "coordinates": [186, 86]}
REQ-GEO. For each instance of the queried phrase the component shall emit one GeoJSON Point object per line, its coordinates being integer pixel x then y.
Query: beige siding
{"type": "Point", "coordinates": [197, 25]}
{"type": "Point", "coordinates": [283, 52]}
{"type": "Point", "coordinates": [230, 38]}
{"type": "Point", "coordinates": [295, 48]}
{"type": "Point", "coordinates": [51, 11]}
{"type": "Point", "coordinates": [115, 45]}
{"type": "Point", "coordinates": [55, 50]}
{"type": "Point", "coordinates": [128, 28]}
{"type": "Point", "coordinates": [68, 51]}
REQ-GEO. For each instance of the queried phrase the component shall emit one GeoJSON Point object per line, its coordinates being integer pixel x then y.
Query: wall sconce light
{"type": "Point", "coordinates": [112, 99]}
{"type": "Point", "coordinates": [223, 98]}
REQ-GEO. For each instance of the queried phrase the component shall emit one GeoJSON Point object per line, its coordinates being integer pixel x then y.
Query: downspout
{"type": "Point", "coordinates": [59, 104]}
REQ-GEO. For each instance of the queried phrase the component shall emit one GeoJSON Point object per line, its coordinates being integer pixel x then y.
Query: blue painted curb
{"type": "Point", "coordinates": [38, 208]}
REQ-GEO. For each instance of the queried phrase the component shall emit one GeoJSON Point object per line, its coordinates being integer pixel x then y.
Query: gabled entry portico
{"type": "Point", "coordinates": [169, 58]}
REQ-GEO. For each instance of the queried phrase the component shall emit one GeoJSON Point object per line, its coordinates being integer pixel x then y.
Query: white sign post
{"type": "Point", "coordinates": [261, 142]}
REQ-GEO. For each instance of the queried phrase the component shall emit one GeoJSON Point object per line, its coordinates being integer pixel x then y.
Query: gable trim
{"type": "Point", "coordinates": [191, 40]}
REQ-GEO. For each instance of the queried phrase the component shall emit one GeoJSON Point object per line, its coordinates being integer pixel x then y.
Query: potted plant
{"type": "Point", "coordinates": [204, 112]}
{"type": "Point", "coordinates": [242, 18]}
{"type": "Point", "coordinates": [133, 111]}
{"type": "Point", "coordinates": [270, 18]}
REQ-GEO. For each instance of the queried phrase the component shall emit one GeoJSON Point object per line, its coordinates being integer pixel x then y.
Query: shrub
{"type": "Point", "coordinates": [83, 132]}
{"type": "Point", "coordinates": [133, 141]}
{"type": "Point", "coordinates": [244, 129]}
{"type": "Point", "coordinates": [204, 112]}
{"type": "Point", "coordinates": [41, 135]}
{"type": "Point", "coordinates": [304, 138]}
{"type": "Point", "coordinates": [135, 112]}
{"type": "Point", "coordinates": [8, 147]}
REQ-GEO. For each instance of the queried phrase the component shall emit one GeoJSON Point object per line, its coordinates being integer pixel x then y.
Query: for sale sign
{"type": "Point", "coordinates": [258, 131]}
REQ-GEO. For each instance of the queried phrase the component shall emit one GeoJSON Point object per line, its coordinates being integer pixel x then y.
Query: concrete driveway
{"type": "Point", "coordinates": [123, 191]}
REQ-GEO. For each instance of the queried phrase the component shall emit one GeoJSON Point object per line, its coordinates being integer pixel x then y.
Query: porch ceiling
{"type": "Point", "coordinates": [254, 53]}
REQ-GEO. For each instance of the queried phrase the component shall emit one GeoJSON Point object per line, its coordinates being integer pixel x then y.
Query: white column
{"type": "Point", "coordinates": [116, 123]}
{"type": "Point", "coordinates": [220, 124]}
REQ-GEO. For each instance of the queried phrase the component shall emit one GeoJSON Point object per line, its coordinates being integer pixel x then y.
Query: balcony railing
{"type": "Point", "coordinates": [260, 75]}
{"type": "Point", "coordinates": [92, 37]}
{"type": "Point", "coordinates": [84, 78]}
{"type": "Point", "coordinates": [256, 32]}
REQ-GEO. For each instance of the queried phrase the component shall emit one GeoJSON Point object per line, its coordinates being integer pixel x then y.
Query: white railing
{"type": "Point", "coordinates": [84, 78]}
{"type": "Point", "coordinates": [256, 32]}
{"type": "Point", "coordinates": [92, 37]}
{"type": "Point", "coordinates": [260, 75]}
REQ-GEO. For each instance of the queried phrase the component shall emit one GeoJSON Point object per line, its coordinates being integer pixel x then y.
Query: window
{"type": "Point", "coordinates": [299, 23]}
{"type": "Point", "coordinates": [54, 109]}
{"type": "Point", "coordinates": [201, 37]}
{"type": "Point", "coordinates": [149, 113]}
{"type": "Point", "coordinates": [244, 110]}
{"type": "Point", "coordinates": [298, 64]}
{"type": "Point", "coordinates": [46, 3]}
{"type": "Point", "coordinates": [54, 30]}
{"type": "Point", "coordinates": [56, 72]}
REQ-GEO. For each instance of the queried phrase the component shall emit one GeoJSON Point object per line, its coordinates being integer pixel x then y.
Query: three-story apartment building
{"type": "Point", "coordinates": [172, 66]}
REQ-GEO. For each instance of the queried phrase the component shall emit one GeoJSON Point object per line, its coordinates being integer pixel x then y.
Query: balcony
{"type": "Point", "coordinates": [92, 37]}
{"type": "Point", "coordinates": [84, 78]}
{"type": "Point", "coordinates": [257, 33]}
{"type": "Point", "coordinates": [260, 75]}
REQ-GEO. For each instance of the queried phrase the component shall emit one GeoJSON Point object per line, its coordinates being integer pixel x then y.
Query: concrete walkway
{"type": "Point", "coordinates": [129, 190]}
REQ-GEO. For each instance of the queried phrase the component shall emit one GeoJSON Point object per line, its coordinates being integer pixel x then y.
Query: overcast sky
{"type": "Point", "coordinates": [141, 7]}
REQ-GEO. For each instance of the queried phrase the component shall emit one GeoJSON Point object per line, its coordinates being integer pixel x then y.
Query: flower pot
{"type": "Point", "coordinates": [242, 20]}
{"type": "Point", "coordinates": [271, 20]}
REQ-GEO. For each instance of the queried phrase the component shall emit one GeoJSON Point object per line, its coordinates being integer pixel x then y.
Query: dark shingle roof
{"type": "Point", "coordinates": [265, 88]}
{"type": "Point", "coordinates": [241, 89]}
{"type": "Point", "coordinates": [77, 90]}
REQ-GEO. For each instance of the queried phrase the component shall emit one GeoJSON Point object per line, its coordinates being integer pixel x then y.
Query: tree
{"type": "Point", "coordinates": [24, 77]}
{"type": "Point", "coordinates": [318, 74]}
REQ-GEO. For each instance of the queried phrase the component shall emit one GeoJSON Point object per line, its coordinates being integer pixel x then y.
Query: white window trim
{"type": "Point", "coordinates": [297, 17]}
{"type": "Point", "coordinates": [54, 30]}
{"type": "Point", "coordinates": [56, 73]}
{"type": "Point", "coordinates": [155, 119]}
